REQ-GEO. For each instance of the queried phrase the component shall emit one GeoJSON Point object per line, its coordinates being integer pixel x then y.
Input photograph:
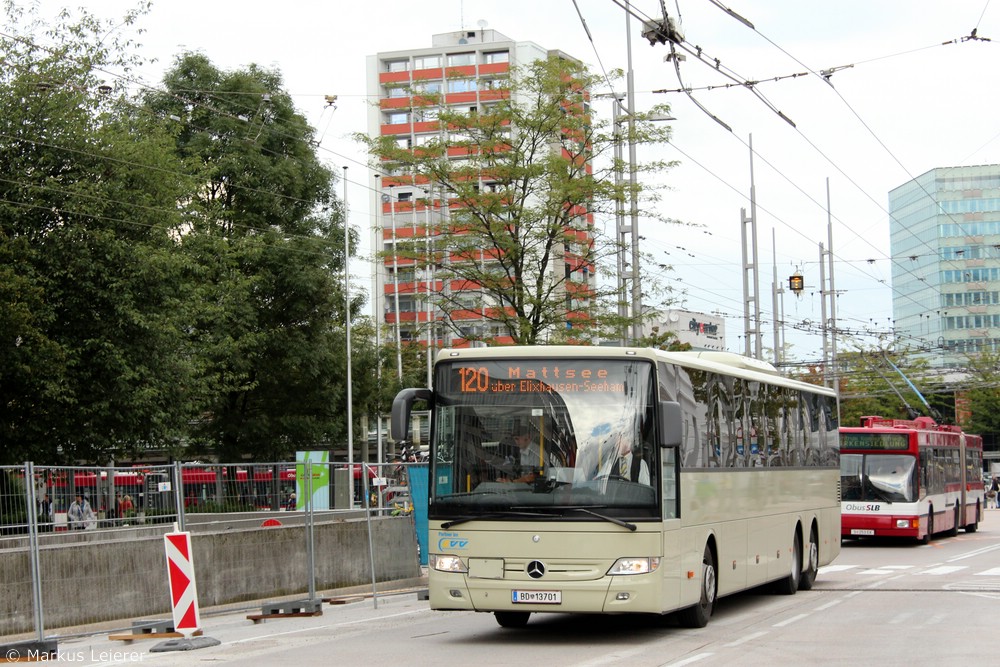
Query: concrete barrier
{"type": "Point", "coordinates": [94, 581]}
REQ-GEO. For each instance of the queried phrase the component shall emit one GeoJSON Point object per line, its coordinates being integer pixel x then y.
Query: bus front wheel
{"type": "Point", "coordinates": [696, 616]}
{"type": "Point", "coordinates": [512, 619]}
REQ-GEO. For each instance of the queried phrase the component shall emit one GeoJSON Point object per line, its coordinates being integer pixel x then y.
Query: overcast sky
{"type": "Point", "coordinates": [907, 94]}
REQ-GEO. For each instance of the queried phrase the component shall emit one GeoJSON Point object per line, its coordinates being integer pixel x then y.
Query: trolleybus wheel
{"type": "Point", "coordinates": [696, 616]}
{"type": "Point", "coordinates": [953, 531]}
{"type": "Point", "coordinates": [812, 562]}
{"type": "Point", "coordinates": [790, 584]}
{"type": "Point", "coordinates": [512, 619]}
{"type": "Point", "coordinates": [974, 526]}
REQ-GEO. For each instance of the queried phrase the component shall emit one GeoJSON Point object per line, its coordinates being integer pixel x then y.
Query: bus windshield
{"type": "Point", "coordinates": [881, 477]}
{"type": "Point", "coordinates": [544, 438]}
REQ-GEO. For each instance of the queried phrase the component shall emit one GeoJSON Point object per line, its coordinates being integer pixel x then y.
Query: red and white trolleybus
{"type": "Point", "coordinates": [909, 478]}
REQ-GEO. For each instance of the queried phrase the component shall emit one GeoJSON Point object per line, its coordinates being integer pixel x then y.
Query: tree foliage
{"type": "Point", "coordinates": [265, 247]}
{"type": "Point", "coordinates": [169, 265]}
{"type": "Point", "coordinates": [93, 360]}
{"type": "Point", "coordinates": [525, 173]}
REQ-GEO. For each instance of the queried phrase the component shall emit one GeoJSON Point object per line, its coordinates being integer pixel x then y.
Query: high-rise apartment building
{"type": "Point", "coordinates": [467, 70]}
{"type": "Point", "coordinates": [945, 240]}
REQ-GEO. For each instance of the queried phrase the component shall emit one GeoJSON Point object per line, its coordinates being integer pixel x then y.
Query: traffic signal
{"type": "Point", "coordinates": [796, 283]}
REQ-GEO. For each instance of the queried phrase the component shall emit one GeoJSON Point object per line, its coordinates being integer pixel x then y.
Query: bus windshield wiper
{"type": "Point", "coordinates": [498, 515]}
{"type": "Point", "coordinates": [605, 517]}
{"type": "Point", "coordinates": [620, 522]}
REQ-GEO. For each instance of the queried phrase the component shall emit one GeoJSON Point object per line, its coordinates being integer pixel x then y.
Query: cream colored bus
{"type": "Point", "coordinates": [622, 480]}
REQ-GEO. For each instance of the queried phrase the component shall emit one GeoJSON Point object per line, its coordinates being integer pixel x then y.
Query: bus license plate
{"type": "Point", "coordinates": [536, 597]}
{"type": "Point", "coordinates": [862, 531]}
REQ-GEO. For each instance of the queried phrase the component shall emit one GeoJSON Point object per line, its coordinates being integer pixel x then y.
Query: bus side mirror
{"type": "Point", "coordinates": [402, 405]}
{"type": "Point", "coordinates": [671, 426]}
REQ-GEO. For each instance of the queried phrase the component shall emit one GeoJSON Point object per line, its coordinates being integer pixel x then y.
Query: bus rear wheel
{"type": "Point", "coordinates": [696, 616]}
{"type": "Point", "coordinates": [812, 562]}
{"type": "Point", "coordinates": [512, 619]}
{"type": "Point", "coordinates": [790, 584]}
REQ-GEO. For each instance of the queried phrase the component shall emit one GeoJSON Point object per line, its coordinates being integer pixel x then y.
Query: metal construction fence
{"type": "Point", "coordinates": [79, 534]}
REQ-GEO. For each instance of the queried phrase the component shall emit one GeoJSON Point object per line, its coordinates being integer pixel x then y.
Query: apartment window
{"type": "Point", "coordinates": [426, 62]}
{"type": "Point", "coordinates": [396, 91]}
{"type": "Point", "coordinates": [462, 86]}
{"type": "Point", "coordinates": [398, 117]}
{"type": "Point", "coordinates": [404, 196]}
{"type": "Point", "coordinates": [403, 142]}
{"type": "Point", "coordinates": [491, 57]}
{"type": "Point", "coordinates": [429, 87]}
{"type": "Point", "coordinates": [456, 59]}
{"type": "Point", "coordinates": [492, 84]}
{"type": "Point", "coordinates": [423, 139]}
{"type": "Point", "coordinates": [397, 65]}
{"type": "Point", "coordinates": [425, 114]}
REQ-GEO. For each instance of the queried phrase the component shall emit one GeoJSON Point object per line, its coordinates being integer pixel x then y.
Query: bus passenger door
{"type": "Point", "coordinates": [671, 565]}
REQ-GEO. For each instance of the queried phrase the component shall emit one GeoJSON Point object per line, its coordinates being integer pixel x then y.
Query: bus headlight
{"type": "Point", "coordinates": [445, 563]}
{"type": "Point", "coordinates": [634, 566]}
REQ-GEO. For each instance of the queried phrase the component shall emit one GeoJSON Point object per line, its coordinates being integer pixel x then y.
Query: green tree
{"type": "Point", "coordinates": [983, 398]}
{"type": "Point", "coordinates": [92, 301]}
{"type": "Point", "coordinates": [869, 386]}
{"type": "Point", "coordinates": [535, 169]}
{"type": "Point", "coordinates": [265, 243]}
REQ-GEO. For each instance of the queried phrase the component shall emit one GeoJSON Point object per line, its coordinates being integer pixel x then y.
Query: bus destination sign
{"type": "Point", "coordinates": [533, 377]}
{"type": "Point", "coordinates": [889, 441]}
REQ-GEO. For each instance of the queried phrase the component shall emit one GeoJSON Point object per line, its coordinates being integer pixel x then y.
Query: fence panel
{"type": "Point", "coordinates": [99, 535]}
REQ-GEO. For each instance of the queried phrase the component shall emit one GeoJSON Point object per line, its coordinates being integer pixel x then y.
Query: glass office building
{"type": "Point", "coordinates": [945, 243]}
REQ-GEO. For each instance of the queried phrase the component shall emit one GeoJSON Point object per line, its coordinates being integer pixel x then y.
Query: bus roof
{"type": "Point", "coordinates": [719, 362]}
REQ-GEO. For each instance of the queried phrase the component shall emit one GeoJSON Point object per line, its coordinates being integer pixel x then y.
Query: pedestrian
{"type": "Point", "coordinates": [45, 512]}
{"type": "Point", "coordinates": [994, 492]}
{"type": "Point", "coordinates": [125, 507]}
{"type": "Point", "coordinates": [292, 502]}
{"type": "Point", "coordinates": [80, 515]}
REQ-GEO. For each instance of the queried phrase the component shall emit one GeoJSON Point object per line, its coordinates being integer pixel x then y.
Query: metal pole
{"type": "Point", "coordinates": [619, 219]}
{"type": "Point", "coordinates": [368, 519]}
{"type": "Point", "coordinates": [33, 547]}
{"type": "Point", "coordinates": [377, 257]}
{"type": "Point", "coordinates": [833, 291]}
{"type": "Point", "coordinates": [347, 322]}
{"type": "Point", "coordinates": [395, 287]}
{"type": "Point", "coordinates": [178, 487]}
{"type": "Point", "coordinates": [636, 288]}
{"type": "Point", "coordinates": [310, 537]}
{"type": "Point", "coordinates": [429, 307]}
{"type": "Point", "coordinates": [822, 315]}
{"type": "Point", "coordinates": [776, 292]}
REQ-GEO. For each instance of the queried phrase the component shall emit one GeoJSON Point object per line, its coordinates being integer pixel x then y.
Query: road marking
{"type": "Point", "coordinates": [944, 569]}
{"type": "Point", "coordinates": [827, 569]}
{"type": "Point", "coordinates": [994, 572]}
{"type": "Point", "coordinates": [688, 661]}
{"type": "Point", "coordinates": [976, 552]}
{"type": "Point", "coordinates": [826, 606]}
{"type": "Point", "coordinates": [746, 639]}
{"type": "Point", "coordinates": [789, 621]}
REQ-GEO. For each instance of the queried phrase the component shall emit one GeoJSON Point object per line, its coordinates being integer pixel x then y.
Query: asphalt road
{"type": "Point", "coordinates": [881, 603]}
